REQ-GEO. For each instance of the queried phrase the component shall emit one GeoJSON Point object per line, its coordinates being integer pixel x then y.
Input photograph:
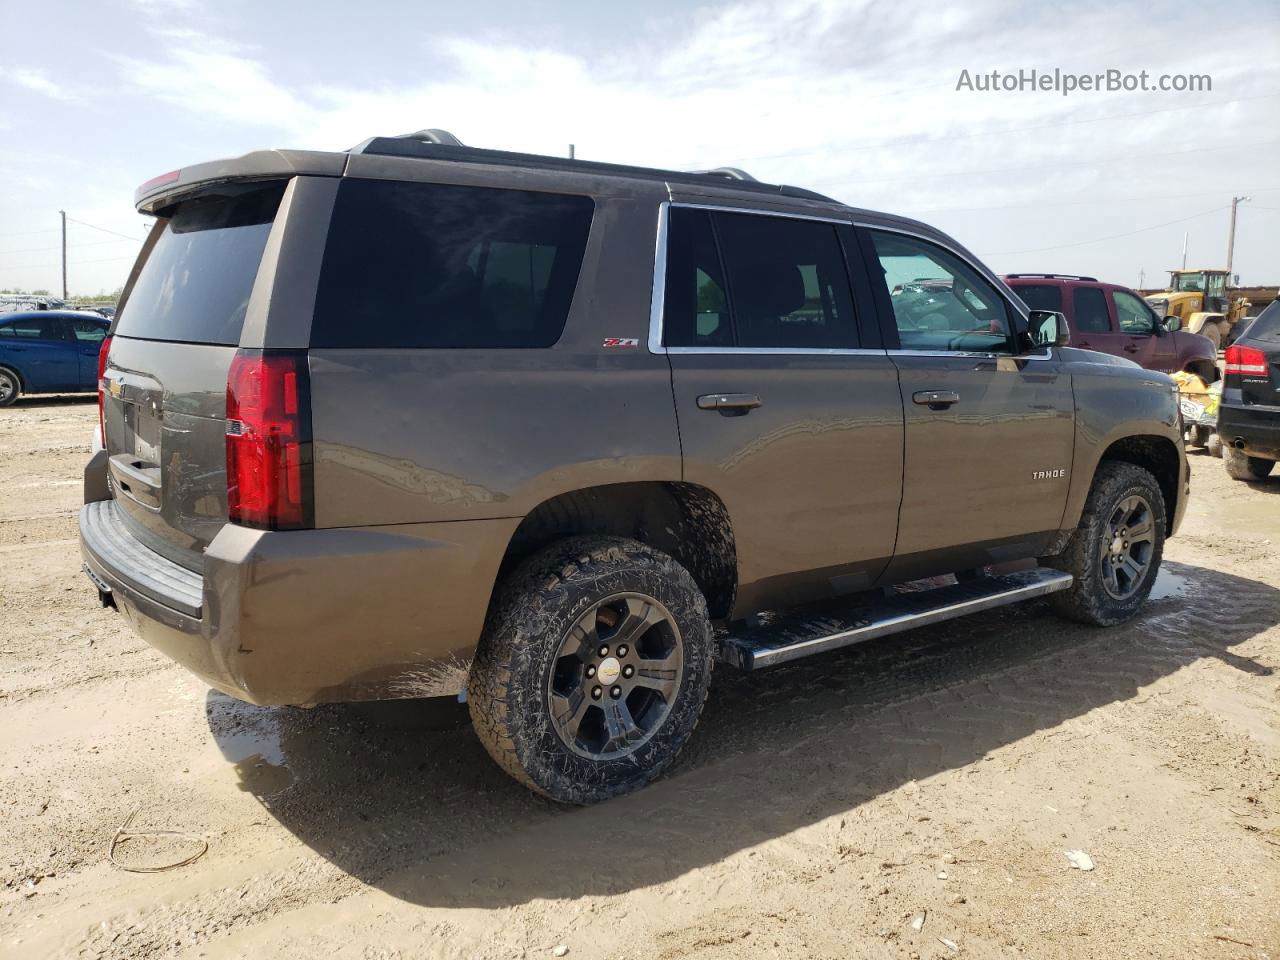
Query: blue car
{"type": "Point", "coordinates": [49, 351]}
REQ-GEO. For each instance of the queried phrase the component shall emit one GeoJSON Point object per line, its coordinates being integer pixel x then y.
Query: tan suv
{"type": "Point", "coordinates": [419, 419]}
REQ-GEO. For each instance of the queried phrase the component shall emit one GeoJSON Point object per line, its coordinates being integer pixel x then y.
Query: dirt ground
{"type": "Point", "coordinates": [819, 810]}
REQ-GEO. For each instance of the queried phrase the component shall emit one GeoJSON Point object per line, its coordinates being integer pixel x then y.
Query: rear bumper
{"type": "Point", "coordinates": [1257, 427]}
{"type": "Point", "coordinates": [309, 616]}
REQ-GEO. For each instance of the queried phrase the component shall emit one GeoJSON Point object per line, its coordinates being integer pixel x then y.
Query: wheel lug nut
{"type": "Point", "coordinates": [628, 671]}
{"type": "Point", "coordinates": [595, 693]}
{"type": "Point", "coordinates": [616, 692]}
{"type": "Point", "coordinates": [591, 671]}
{"type": "Point", "coordinates": [603, 651]}
{"type": "Point", "coordinates": [622, 650]}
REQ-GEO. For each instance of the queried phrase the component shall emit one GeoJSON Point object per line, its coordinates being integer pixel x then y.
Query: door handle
{"type": "Point", "coordinates": [935, 399]}
{"type": "Point", "coordinates": [729, 404]}
{"type": "Point", "coordinates": [1130, 348]}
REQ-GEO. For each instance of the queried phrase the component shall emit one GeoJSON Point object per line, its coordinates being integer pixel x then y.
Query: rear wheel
{"type": "Point", "coordinates": [593, 670]}
{"type": "Point", "coordinates": [1241, 466]}
{"type": "Point", "coordinates": [1115, 552]}
{"type": "Point", "coordinates": [10, 387]}
{"type": "Point", "coordinates": [1214, 445]}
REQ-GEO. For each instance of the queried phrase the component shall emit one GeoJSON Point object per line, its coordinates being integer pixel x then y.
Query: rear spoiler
{"type": "Point", "coordinates": [161, 191]}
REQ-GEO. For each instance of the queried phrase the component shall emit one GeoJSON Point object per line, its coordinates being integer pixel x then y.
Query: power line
{"type": "Point", "coordinates": [104, 229]}
{"type": "Point", "coordinates": [73, 246]}
{"type": "Point", "coordinates": [1116, 236]}
{"type": "Point", "coordinates": [1051, 163]}
{"type": "Point", "coordinates": [947, 138]}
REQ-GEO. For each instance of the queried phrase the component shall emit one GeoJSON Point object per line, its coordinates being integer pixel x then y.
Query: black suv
{"type": "Point", "coordinates": [1249, 417]}
{"type": "Point", "coordinates": [418, 419]}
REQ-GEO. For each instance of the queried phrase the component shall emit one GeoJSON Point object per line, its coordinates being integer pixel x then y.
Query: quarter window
{"type": "Point", "coordinates": [939, 301]}
{"type": "Point", "coordinates": [755, 280]}
{"type": "Point", "coordinates": [1040, 296]}
{"type": "Point", "coordinates": [1089, 310]}
{"type": "Point", "coordinates": [1133, 314]}
{"type": "Point", "coordinates": [436, 265]}
{"type": "Point", "coordinates": [90, 330]}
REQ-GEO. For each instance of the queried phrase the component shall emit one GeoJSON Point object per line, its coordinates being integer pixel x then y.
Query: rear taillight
{"type": "Point", "coordinates": [269, 440]}
{"type": "Point", "coordinates": [103, 351]}
{"type": "Point", "coordinates": [1249, 361]}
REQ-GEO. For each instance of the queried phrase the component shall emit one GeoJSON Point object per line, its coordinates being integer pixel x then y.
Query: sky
{"type": "Point", "coordinates": [855, 99]}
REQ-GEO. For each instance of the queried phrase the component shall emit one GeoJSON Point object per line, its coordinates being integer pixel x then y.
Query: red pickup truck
{"type": "Point", "coordinates": [1113, 319]}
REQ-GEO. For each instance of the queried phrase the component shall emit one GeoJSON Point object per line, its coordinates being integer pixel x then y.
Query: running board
{"type": "Point", "coordinates": [804, 632]}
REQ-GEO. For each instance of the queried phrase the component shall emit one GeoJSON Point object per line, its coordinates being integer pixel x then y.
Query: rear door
{"type": "Point", "coordinates": [38, 346]}
{"type": "Point", "coordinates": [787, 409]}
{"type": "Point", "coordinates": [89, 333]}
{"type": "Point", "coordinates": [989, 431]}
{"type": "Point", "coordinates": [166, 378]}
{"type": "Point", "coordinates": [1146, 343]}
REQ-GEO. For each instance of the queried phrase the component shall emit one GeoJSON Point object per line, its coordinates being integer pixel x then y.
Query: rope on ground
{"type": "Point", "coordinates": [123, 833]}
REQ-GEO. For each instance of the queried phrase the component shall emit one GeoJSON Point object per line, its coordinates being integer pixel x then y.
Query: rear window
{"type": "Point", "coordinates": [1040, 296]}
{"type": "Point", "coordinates": [1266, 326]}
{"type": "Point", "coordinates": [436, 265]}
{"type": "Point", "coordinates": [194, 286]}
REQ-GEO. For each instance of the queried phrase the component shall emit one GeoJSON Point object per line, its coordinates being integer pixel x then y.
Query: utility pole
{"type": "Point", "coordinates": [64, 253]}
{"type": "Point", "coordinates": [1231, 236]}
{"type": "Point", "coordinates": [1142, 275]}
{"type": "Point", "coordinates": [1185, 236]}
{"type": "Point", "coordinates": [571, 151]}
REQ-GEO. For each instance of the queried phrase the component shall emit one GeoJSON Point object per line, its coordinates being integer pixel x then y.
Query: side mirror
{"type": "Point", "coordinates": [1173, 324]}
{"type": "Point", "coordinates": [1048, 328]}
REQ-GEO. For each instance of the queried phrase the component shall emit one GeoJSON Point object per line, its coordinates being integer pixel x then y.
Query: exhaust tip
{"type": "Point", "coordinates": [1238, 443]}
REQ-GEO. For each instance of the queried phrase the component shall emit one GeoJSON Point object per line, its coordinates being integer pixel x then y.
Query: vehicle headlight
{"type": "Point", "coordinates": [1159, 307]}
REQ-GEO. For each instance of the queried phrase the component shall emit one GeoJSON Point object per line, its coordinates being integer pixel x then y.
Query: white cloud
{"type": "Point", "coordinates": [38, 81]}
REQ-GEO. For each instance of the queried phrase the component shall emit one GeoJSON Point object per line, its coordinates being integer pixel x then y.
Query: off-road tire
{"type": "Point", "coordinates": [1214, 445]}
{"type": "Point", "coordinates": [1241, 466]}
{"type": "Point", "coordinates": [14, 385]}
{"type": "Point", "coordinates": [1087, 601]}
{"type": "Point", "coordinates": [1214, 333]}
{"type": "Point", "coordinates": [531, 615]}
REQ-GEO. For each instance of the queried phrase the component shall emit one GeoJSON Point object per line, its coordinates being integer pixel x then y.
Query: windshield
{"type": "Point", "coordinates": [1189, 282]}
{"type": "Point", "coordinates": [1267, 324]}
{"type": "Point", "coordinates": [194, 286]}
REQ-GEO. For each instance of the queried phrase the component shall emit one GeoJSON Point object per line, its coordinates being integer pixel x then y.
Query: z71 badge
{"type": "Point", "coordinates": [621, 342]}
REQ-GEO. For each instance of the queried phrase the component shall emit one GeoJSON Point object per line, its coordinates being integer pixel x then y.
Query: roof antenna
{"type": "Point", "coordinates": [433, 135]}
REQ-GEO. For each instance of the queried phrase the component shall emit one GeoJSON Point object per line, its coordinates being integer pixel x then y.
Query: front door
{"type": "Point", "coordinates": [784, 410]}
{"type": "Point", "coordinates": [989, 433]}
{"type": "Point", "coordinates": [39, 347]}
{"type": "Point", "coordinates": [1146, 344]}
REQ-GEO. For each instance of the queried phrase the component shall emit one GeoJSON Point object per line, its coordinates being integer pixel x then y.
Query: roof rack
{"type": "Point", "coordinates": [1048, 276]}
{"type": "Point", "coordinates": [435, 144]}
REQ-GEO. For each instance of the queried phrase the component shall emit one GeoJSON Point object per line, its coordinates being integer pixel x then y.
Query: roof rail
{"type": "Point", "coordinates": [728, 173]}
{"type": "Point", "coordinates": [441, 145]}
{"type": "Point", "coordinates": [433, 135]}
{"type": "Point", "coordinates": [1048, 276]}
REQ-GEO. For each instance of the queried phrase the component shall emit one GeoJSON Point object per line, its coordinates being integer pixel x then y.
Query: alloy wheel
{"type": "Point", "coordinates": [1128, 544]}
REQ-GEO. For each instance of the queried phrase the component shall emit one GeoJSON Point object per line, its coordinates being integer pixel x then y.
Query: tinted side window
{"type": "Point", "coordinates": [1040, 296]}
{"type": "Point", "coordinates": [695, 305]}
{"type": "Point", "coordinates": [86, 329]}
{"type": "Point", "coordinates": [939, 301]}
{"type": "Point", "coordinates": [1089, 311]}
{"type": "Point", "coordinates": [33, 328]}
{"type": "Point", "coordinates": [436, 265]}
{"type": "Point", "coordinates": [781, 283]}
{"type": "Point", "coordinates": [788, 286]}
{"type": "Point", "coordinates": [194, 286]}
{"type": "Point", "coordinates": [1133, 314]}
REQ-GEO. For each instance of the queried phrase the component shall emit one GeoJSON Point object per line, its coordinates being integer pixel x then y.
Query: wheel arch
{"type": "Point", "coordinates": [687, 521]}
{"type": "Point", "coordinates": [10, 368]}
{"type": "Point", "coordinates": [1203, 368]}
{"type": "Point", "coordinates": [1159, 456]}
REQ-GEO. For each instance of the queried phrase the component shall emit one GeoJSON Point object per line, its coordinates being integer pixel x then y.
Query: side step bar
{"type": "Point", "coordinates": [802, 633]}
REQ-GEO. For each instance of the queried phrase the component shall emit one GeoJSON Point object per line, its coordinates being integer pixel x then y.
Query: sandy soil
{"type": "Point", "coordinates": [818, 811]}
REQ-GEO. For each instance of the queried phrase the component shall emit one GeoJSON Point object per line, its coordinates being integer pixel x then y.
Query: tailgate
{"type": "Point", "coordinates": [165, 382]}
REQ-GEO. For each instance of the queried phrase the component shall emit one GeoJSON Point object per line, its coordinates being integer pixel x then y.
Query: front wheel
{"type": "Point", "coordinates": [1241, 466]}
{"type": "Point", "coordinates": [593, 670]}
{"type": "Point", "coordinates": [1214, 445]}
{"type": "Point", "coordinates": [1115, 553]}
{"type": "Point", "coordinates": [1214, 333]}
